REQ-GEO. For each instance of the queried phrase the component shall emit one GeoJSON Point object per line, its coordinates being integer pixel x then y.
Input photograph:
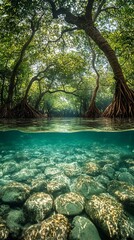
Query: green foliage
{"type": "Point", "coordinates": [68, 54]}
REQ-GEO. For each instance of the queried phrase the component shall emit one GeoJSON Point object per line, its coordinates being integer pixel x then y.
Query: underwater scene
{"type": "Point", "coordinates": [66, 179]}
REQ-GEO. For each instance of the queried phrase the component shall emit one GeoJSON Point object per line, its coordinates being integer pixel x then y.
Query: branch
{"type": "Point", "coordinates": [36, 78]}
{"type": "Point", "coordinates": [53, 8]}
{"type": "Point", "coordinates": [89, 8]}
{"type": "Point", "coordinates": [62, 33]}
{"type": "Point", "coordinates": [99, 10]}
{"type": "Point", "coordinates": [51, 92]}
{"type": "Point", "coordinates": [64, 91]}
{"type": "Point", "coordinates": [96, 71]}
{"type": "Point", "coordinates": [20, 59]}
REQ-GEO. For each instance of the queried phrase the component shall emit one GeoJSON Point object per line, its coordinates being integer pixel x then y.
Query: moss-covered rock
{"type": "Point", "coordinates": [57, 188]}
{"type": "Point", "coordinates": [109, 215]}
{"type": "Point", "coordinates": [15, 193]}
{"type": "Point", "coordinates": [37, 207]}
{"type": "Point", "coordinates": [71, 169]}
{"type": "Point", "coordinates": [87, 186]}
{"type": "Point", "coordinates": [56, 227]}
{"type": "Point", "coordinates": [91, 168]}
{"type": "Point", "coordinates": [38, 185]}
{"type": "Point", "coordinates": [69, 203]}
{"type": "Point", "coordinates": [15, 221]}
{"type": "Point", "coordinates": [124, 193]}
{"type": "Point", "coordinates": [4, 231]}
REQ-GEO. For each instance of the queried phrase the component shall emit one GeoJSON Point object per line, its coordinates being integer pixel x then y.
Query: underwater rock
{"type": "Point", "coordinates": [108, 170]}
{"type": "Point", "coordinates": [4, 182]}
{"type": "Point", "coordinates": [38, 185]}
{"type": "Point", "coordinates": [21, 156]}
{"type": "Point", "coordinates": [25, 174]}
{"type": "Point", "coordinates": [91, 168]}
{"type": "Point", "coordinates": [51, 171]}
{"type": "Point", "coordinates": [38, 206]}
{"type": "Point", "coordinates": [14, 221]}
{"type": "Point", "coordinates": [1, 171]}
{"type": "Point", "coordinates": [10, 167]}
{"type": "Point", "coordinates": [131, 170]}
{"type": "Point", "coordinates": [57, 188]}
{"type": "Point", "coordinates": [15, 193]}
{"type": "Point", "coordinates": [129, 162]}
{"type": "Point", "coordinates": [56, 227]}
{"type": "Point", "coordinates": [124, 193]}
{"type": "Point", "coordinates": [71, 169]}
{"type": "Point", "coordinates": [69, 203]}
{"type": "Point", "coordinates": [108, 215]}
{"type": "Point", "coordinates": [125, 177]}
{"type": "Point", "coordinates": [83, 229]}
{"type": "Point", "coordinates": [104, 180]}
{"type": "Point", "coordinates": [87, 186]}
{"type": "Point", "coordinates": [4, 210]}
{"type": "Point", "coordinates": [61, 178]}
{"type": "Point", "coordinates": [4, 231]}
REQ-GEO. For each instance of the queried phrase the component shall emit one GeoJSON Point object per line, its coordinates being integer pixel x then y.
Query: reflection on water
{"type": "Point", "coordinates": [66, 124]}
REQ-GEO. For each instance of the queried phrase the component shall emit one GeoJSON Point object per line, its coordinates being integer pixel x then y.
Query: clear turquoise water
{"type": "Point", "coordinates": [66, 139]}
{"type": "Point", "coordinates": [41, 143]}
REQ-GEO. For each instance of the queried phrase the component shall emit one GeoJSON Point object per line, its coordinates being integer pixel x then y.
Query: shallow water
{"type": "Point", "coordinates": [66, 138]}
{"type": "Point", "coordinates": [38, 144]}
{"type": "Point", "coordinates": [66, 124]}
{"type": "Point", "coordinates": [66, 145]}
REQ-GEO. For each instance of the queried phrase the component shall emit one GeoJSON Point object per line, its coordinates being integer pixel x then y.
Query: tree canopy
{"type": "Point", "coordinates": [58, 55]}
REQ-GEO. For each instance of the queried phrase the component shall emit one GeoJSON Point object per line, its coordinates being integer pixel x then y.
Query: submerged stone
{"type": "Point", "coordinates": [38, 185]}
{"type": "Point", "coordinates": [1, 171]}
{"type": "Point", "coordinates": [10, 167]}
{"type": "Point", "coordinates": [56, 227]}
{"type": "Point", "coordinates": [4, 210]}
{"type": "Point", "coordinates": [108, 214]}
{"type": "Point", "coordinates": [15, 193]}
{"type": "Point", "coordinates": [61, 178]}
{"type": "Point", "coordinates": [108, 170]}
{"type": "Point", "coordinates": [131, 170]}
{"type": "Point", "coordinates": [51, 171]}
{"type": "Point", "coordinates": [87, 186]}
{"type": "Point", "coordinates": [104, 180]}
{"type": "Point", "coordinates": [69, 203]}
{"type": "Point", "coordinates": [91, 168]}
{"type": "Point", "coordinates": [57, 188]}
{"type": "Point", "coordinates": [124, 192]}
{"type": "Point", "coordinates": [37, 207]}
{"type": "Point", "coordinates": [4, 231]}
{"type": "Point", "coordinates": [71, 169]}
{"type": "Point", "coordinates": [25, 174]}
{"type": "Point", "coordinates": [14, 221]}
{"type": "Point", "coordinates": [125, 177]}
{"type": "Point", "coordinates": [83, 229]}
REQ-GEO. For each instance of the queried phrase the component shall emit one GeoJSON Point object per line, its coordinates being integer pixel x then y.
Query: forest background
{"type": "Point", "coordinates": [66, 58]}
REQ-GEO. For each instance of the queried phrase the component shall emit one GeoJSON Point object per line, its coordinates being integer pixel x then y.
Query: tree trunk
{"type": "Point", "coordinates": [123, 103]}
{"type": "Point", "coordinates": [24, 110]}
{"type": "Point", "coordinates": [93, 111]}
{"type": "Point", "coordinates": [2, 92]}
{"type": "Point", "coordinates": [39, 100]}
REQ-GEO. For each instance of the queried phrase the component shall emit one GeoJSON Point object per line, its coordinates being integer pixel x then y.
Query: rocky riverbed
{"type": "Point", "coordinates": [71, 194]}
